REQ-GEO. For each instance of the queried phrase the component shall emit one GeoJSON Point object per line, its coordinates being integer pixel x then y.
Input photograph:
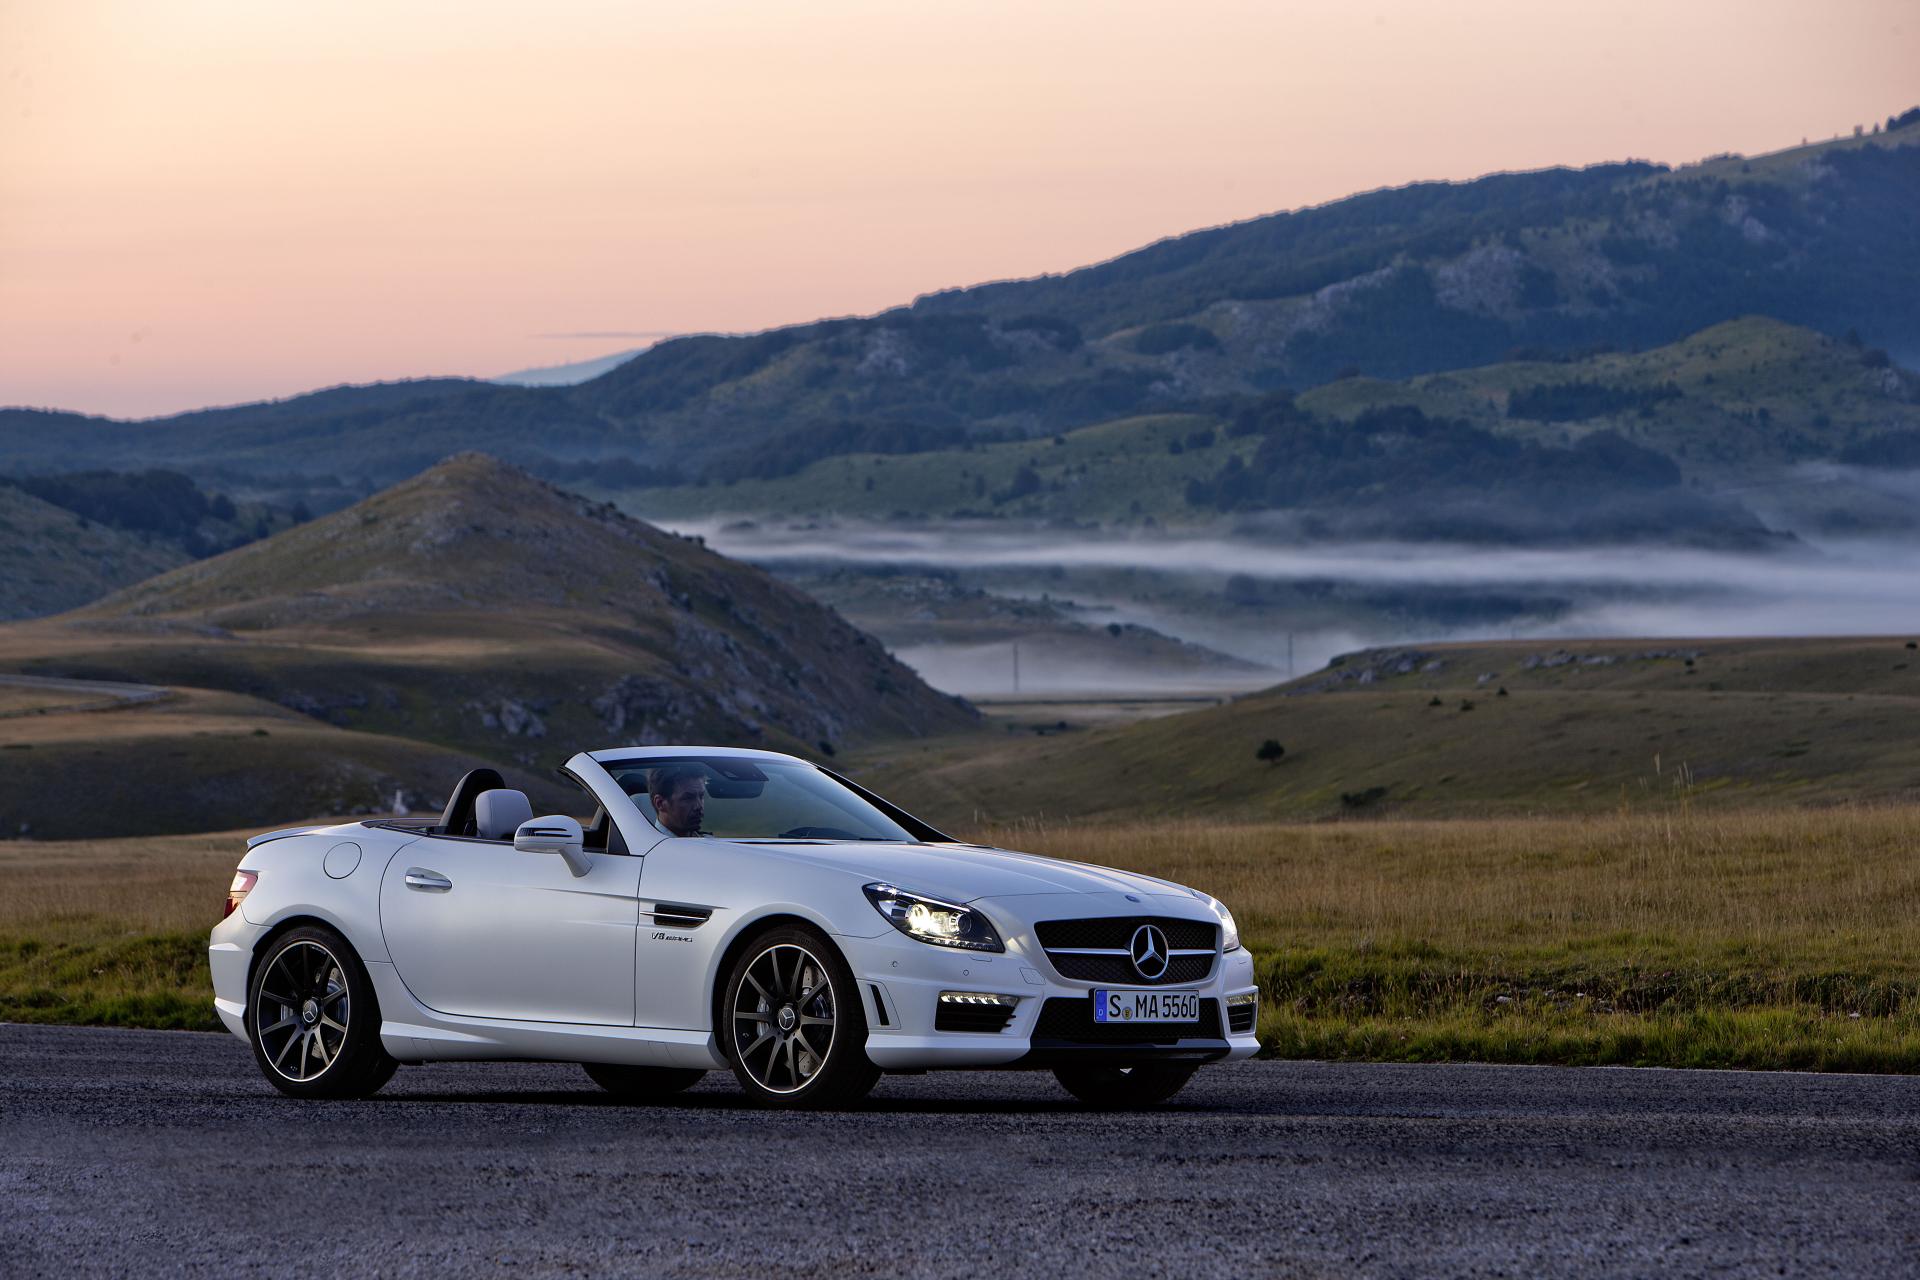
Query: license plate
{"type": "Point", "coordinates": [1146, 1006]}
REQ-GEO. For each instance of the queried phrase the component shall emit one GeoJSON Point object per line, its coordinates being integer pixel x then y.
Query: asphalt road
{"type": "Point", "coordinates": [134, 1152]}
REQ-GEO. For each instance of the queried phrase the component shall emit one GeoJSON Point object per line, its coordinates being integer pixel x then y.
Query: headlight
{"type": "Point", "coordinates": [1229, 931]}
{"type": "Point", "coordinates": [944, 924]}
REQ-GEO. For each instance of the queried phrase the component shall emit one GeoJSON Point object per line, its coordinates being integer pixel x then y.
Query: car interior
{"type": "Point", "coordinates": [483, 807]}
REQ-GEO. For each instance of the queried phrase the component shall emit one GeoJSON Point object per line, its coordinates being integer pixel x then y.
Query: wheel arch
{"type": "Point", "coordinates": [281, 928]}
{"type": "Point", "coordinates": [743, 937]}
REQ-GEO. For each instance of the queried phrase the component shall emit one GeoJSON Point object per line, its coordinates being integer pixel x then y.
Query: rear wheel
{"type": "Point", "coordinates": [1124, 1088]}
{"type": "Point", "coordinates": [313, 1020]}
{"type": "Point", "coordinates": [641, 1084]}
{"type": "Point", "coordinates": [793, 1024]}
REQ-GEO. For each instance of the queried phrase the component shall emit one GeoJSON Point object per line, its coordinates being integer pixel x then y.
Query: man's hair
{"type": "Point", "coordinates": [666, 780]}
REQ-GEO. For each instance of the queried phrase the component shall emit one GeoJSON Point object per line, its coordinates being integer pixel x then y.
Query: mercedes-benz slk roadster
{"type": "Point", "coordinates": [719, 910]}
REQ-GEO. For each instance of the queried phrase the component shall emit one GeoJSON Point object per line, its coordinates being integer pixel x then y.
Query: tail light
{"type": "Point", "coordinates": [243, 882]}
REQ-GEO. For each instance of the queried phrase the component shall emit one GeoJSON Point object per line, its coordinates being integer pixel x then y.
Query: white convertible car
{"type": "Point", "coordinates": [721, 909]}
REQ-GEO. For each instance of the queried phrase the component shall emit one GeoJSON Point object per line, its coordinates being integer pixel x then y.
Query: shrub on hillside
{"type": "Point", "coordinates": [1163, 339]}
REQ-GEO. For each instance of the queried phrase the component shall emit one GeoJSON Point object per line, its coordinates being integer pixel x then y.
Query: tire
{"type": "Point", "coordinates": [313, 1020]}
{"type": "Point", "coordinates": [792, 1022]}
{"type": "Point", "coordinates": [641, 1084]}
{"type": "Point", "coordinates": [1124, 1088]}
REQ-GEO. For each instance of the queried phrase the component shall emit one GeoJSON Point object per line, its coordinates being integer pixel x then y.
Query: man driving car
{"type": "Point", "coordinates": [679, 795]}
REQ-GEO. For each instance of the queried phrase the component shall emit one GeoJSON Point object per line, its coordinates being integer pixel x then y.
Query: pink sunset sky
{"type": "Point", "coordinates": [205, 202]}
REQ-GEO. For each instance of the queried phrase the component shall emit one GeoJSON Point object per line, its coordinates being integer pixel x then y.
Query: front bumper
{"type": "Point", "coordinates": [901, 979]}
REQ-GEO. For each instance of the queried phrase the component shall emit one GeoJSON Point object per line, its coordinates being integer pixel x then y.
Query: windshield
{"type": "Point", "coordinates": [756, 799]}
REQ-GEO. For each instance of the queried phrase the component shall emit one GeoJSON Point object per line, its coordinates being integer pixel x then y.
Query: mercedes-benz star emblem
{"type": "Point", "coordinates": [1149, 952]}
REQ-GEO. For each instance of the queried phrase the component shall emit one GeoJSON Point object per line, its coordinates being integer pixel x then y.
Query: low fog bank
{"type": "Point", "coordinates": [1209, 590]}
{"type": "Point", "coordinates": [990, 671]}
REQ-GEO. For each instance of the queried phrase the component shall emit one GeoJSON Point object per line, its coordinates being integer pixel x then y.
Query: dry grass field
{"type": "Point", "coordinates": [1681, 937]}
{"type": "Point", "coordinates": [112, 931]}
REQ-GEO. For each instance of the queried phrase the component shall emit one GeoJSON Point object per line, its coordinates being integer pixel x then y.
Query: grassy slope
{"type": "Point", "coordinates": [1772, 722]}
{"type": "Point", "coordinates": [1816, 394]}
{"type": "Point", "coordinates": [51, 559]}
{"type": "Point", "coordinates": [1094, 473]}
{"type": "Point", "coordinates": [202, 759]}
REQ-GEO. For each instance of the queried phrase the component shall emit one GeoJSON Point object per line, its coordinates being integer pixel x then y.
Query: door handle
{"type": "Point", "coordinates": [427, 881]}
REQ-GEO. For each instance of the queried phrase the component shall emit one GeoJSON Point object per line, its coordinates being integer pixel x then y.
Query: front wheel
{"type": "Point", "coordinates": [641, 1084]}
{"type": "Point", "coordinates": [312, 1018]}
{"type": "Point", "coordinates": [793, 1024]}
{"type": "Point", "coordinates": [1124, 1088]}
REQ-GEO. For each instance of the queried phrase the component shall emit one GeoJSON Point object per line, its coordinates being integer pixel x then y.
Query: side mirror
{"type": "Point", "coordinates": [556, 833]}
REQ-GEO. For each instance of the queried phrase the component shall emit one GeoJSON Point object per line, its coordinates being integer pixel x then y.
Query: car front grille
{"type": "Point", "coordinates": [1241, 1017]}
{"type": "Point", "coordinates": [1070, 1021]}
{"type": "Point", "coordinates": [1099, 949]}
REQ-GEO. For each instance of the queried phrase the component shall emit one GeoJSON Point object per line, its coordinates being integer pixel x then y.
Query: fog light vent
{"type": "Point", "coordinates": [977, 1012]}
{"type": "Point", "coordinates": [1243, 1011]}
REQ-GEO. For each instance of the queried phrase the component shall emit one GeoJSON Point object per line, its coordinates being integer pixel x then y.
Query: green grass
{"type": "Point", "coordinates": [1412, 1005]}
{"type": "Point", "coordinates": [110, 980]}
{"type": "Point", "coordinates": [1114, 472]}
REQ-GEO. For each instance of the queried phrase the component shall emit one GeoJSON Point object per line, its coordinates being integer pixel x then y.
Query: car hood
{"type": "Point", "coordinates": [966, 872]}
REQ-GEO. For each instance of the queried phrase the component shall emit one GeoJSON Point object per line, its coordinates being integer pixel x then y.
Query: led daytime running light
{"type": "Point", "coordinates": [978, 997]}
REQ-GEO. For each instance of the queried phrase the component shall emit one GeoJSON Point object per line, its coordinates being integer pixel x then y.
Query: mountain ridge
{"type": "Point", "coordinates": [1395, 283]}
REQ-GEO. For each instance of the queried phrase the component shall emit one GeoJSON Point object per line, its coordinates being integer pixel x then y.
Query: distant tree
{"type": "Point", "coordinates": [1159, 339]}
{"type": "Point", "coordinates": [1270, 751]}
{"type": "Point", "coordinates": [1026, 482]}
{"type": "Point", "coordinates": [221, 507]}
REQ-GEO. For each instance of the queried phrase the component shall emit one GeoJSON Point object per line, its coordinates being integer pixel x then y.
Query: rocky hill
{"type": "Point", "coordinates": [477, 607]}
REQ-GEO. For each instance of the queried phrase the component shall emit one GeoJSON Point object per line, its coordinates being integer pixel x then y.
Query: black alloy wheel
{"type": "Point", "coordinates": [793, 1025]}
{"type": "Point", "coordinates": [312, 1018]}
{"type": "Point", "coordinates": [1124, 1088]}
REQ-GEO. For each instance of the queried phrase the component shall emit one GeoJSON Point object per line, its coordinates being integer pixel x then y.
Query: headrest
{"type": "Point", "coordinates": [497, 814]}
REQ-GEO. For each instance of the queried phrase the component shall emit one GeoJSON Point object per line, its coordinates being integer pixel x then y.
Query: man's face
{"type": "Point", "coordinates": [684, 810]}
